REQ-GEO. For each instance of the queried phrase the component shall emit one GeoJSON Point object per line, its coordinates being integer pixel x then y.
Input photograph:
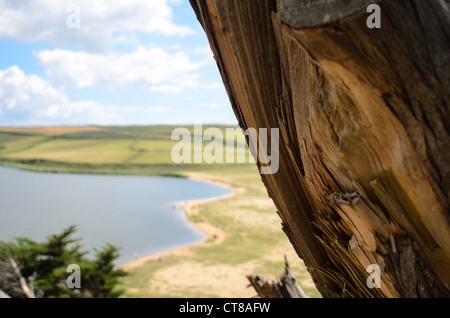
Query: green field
{"type": "Point", "coordinates": [127, 150]}
{"type": "Point", "coordinates": [254, 242]}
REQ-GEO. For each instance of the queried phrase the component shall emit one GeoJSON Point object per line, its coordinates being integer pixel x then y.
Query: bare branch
{"type": "Point", "coordinates": [285, 287]}
{"type": "Point", "coordinates": [3, 294]}
{"type": "Point", "coordinates": [23, 283]}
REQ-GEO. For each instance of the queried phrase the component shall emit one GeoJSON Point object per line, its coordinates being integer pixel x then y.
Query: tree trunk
{"type": "Point", "coordinates": [363, 115]}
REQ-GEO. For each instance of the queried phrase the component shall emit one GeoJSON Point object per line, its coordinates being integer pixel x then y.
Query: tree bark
{"type": "Point", "coordinates": [363, 115]}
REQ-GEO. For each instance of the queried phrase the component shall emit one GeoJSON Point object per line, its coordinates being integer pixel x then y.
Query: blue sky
{"type": "Point", "coordinates": [107, 62]}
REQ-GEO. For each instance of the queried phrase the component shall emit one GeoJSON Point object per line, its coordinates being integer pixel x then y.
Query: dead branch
{"type": "Point", "coordinates": [23, 283]}
{"type": "Point", "coordinates": [285, 287]}
{"type": "Point", "coordinates": [3, 294]}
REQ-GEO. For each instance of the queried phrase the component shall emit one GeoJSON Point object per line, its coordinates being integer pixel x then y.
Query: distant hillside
{"type": "Point", "coordinates": [129, 150]}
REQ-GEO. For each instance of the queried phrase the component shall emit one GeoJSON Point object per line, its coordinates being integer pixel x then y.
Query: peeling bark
{"type": "Point", "coordinates": [362, 113]}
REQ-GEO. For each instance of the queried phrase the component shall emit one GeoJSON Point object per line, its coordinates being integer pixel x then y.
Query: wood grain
{"type": "Point", "coordinates": [359, 111]}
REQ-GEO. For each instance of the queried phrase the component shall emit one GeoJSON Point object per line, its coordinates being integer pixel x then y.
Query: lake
{"type": "Point", "coordinates": [136, 213]}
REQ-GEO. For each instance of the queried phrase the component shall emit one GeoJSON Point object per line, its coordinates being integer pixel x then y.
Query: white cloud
{"type": "Point", "coordinates": [212, 105]}
{"type": "Point", "coordinates": [46, 21]}
{"type": "Point", "coordinates": [18, 91]}
{"type": "Point", "coordinates": [160, 109]}
{"type": "Point", "coordinates": [213, 86]}
{"type": "Point", "coordinates": [204, 50]}
{"type": "Point", "coordinates": [153, 69]}
{"type": "Point", "coordinates": [43, 104]}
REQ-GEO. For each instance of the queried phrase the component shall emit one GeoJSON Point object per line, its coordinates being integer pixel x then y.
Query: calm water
{"type": "Point", "coordinates": [133, 212]}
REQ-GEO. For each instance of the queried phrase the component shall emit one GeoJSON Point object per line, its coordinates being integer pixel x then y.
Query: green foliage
{"type": "Point", "coordinates": [48, 262]}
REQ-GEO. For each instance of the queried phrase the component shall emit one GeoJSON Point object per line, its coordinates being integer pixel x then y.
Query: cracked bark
{"type": "Point", "coordinates": [361, 111]}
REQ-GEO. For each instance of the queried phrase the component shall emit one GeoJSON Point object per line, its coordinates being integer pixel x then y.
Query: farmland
{"type": "Point", "coordinates": [246, 235]}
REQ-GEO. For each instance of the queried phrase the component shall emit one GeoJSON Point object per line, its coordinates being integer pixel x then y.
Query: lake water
{"type": "Point", "coordinates": [136, 213]}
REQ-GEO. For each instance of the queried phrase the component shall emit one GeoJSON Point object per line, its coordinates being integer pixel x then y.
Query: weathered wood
{"type": "Point", "coordinates": [23, 283]}
{"type": "Point", "coordinates": [312, 13]}
{"type": "Point", "coordinates": [285, 287]}
{"type": "Point", "coordinates": [361, 111]}
{"type": "Point", "coordinates": [3, 294]}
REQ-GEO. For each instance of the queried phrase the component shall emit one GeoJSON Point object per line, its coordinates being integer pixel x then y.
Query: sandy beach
{"type": "Point", "coordinates": [214, 235]}
{"type": "Point", "coordinates": [244, 237]}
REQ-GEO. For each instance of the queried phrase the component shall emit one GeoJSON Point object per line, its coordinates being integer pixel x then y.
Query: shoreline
{"type": "Point", "coordinates": [218, 235]}
{"type": "Point", "coordinates": [82, 170]}
{"type": "Point", "coordinates": [213, 233]}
